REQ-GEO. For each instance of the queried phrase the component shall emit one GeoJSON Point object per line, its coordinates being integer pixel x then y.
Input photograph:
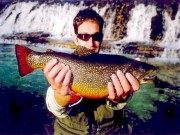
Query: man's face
{"type": "Point", "coordinates": [89, 35]}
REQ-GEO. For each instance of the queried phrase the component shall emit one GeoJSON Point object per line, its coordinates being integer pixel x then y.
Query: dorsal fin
{"type": "Point", "coordinates": [83, 51]}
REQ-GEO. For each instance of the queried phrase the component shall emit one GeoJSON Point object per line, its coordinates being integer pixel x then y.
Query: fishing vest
{"type": "Point", "coordinates": [91, 117]}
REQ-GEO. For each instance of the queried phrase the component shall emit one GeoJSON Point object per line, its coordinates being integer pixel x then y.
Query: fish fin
{"type": "Point", "coordinates": [22, 53]}
{"type": "Point", "coordinates": [75, 98]}
{"type": "Point", "coordinates": [83, 51]}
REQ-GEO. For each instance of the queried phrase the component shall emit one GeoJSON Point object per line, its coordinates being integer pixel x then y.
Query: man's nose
{"type": "Point", "coordinates": [91, 42]}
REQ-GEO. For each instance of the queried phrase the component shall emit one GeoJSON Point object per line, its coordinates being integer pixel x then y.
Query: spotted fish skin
{"type": "Point", "coordinates": [90, 73]}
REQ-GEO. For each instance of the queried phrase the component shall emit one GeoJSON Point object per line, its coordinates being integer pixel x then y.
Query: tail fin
{"type": "Point", "coordinates": [22, 53]}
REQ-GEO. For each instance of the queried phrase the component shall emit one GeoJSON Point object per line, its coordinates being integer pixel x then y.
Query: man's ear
{"type": "Point", "coordinates": [75, 39]}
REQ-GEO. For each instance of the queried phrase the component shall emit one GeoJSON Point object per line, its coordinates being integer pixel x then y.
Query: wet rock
{"type": "Point", "coordinates": [142, 50]}
{"type": "Point", "coordinates": [121, 20]}
{"type": "Point", "coordinates": [33, 37]}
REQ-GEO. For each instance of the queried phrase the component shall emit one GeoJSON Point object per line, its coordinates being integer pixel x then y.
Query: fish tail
{"type": "Point", "coordinates": [22, 53]}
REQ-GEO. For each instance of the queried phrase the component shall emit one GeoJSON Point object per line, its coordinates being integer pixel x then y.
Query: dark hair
{"type": "Point", "coordinates": [87, 14]}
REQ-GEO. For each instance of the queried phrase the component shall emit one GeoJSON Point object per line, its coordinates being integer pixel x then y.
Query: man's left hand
{"type": "Point", "coordinates": [122, 85]}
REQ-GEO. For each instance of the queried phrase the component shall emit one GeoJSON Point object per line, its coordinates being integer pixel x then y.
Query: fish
{"type": "Point", "coordinates": [91, 72]}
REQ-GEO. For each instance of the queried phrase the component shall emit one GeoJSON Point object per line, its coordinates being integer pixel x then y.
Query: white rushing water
{"type": "Point", "coordinates": [172, 34]}
{"type": "Point", "coordinates": [54, 19]}
{"type": "Point", "coordinates": [139, 26]}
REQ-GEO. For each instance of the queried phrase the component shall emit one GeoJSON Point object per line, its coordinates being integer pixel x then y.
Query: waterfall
{"type": "Point", "coordinates": [32, 17]}
{"type": "Point", "coordinates": [139, 25]}
{"type": "Point", "coordinates": [57, 20]}
{"type": "Point", "coordinates": [172, 34]}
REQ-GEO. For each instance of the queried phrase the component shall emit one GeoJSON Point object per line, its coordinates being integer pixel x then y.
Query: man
{"type": "Point", "coordinates": [79, 115]}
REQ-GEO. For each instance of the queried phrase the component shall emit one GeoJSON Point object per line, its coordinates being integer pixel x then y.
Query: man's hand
{"type": "Point", "coordinates": [121, 85]}
{"type": "Point", "coordinates": [59, 76]}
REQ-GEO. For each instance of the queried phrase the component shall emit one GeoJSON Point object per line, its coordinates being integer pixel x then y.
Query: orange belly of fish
{"type": "Point", "coordinates": [89, 92]}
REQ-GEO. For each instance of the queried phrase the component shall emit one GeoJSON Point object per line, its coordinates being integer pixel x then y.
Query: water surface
{"type": "Point", "coordinates": [153, 109]}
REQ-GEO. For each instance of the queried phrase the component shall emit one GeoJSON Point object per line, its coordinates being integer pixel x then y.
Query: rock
{"type": "Point", "coordinates": [142, 50]}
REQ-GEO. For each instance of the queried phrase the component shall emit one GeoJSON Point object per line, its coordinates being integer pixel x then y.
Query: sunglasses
{"type": "Point", "coordinates": [96, 36]}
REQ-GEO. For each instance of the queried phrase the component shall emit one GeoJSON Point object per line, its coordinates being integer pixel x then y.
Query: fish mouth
{"type": "Point", "coordinates": [148, 78]}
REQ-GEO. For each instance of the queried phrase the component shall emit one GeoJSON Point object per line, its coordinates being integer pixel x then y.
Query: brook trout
{"type": "Point", "coordinates": [90, 74]}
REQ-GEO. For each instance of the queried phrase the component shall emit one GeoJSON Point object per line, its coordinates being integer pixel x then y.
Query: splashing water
{"type": "Point", "coordinates": [172, 34]}
{"type": "Point", "coordinates": [139, 26]}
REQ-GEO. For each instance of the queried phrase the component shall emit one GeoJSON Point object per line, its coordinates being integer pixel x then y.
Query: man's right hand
{"type": "Point", "coordinates": [59, 76]}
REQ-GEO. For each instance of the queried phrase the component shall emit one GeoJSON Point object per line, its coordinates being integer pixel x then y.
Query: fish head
{"type": "Point", "coordinates": [142, 71]}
